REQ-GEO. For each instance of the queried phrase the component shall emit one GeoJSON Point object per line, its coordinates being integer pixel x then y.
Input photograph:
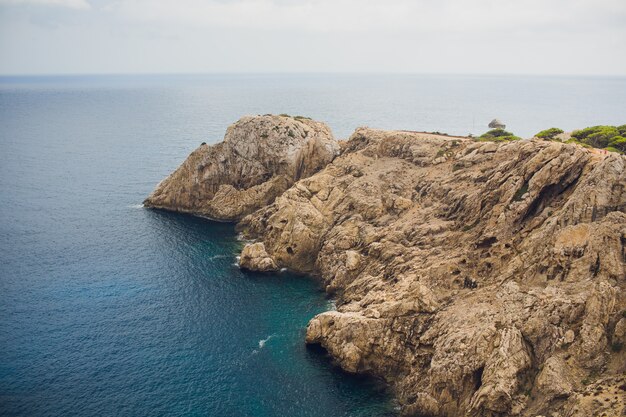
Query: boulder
{"type": "Point", "coordinates": [255, 258]}
{"type": "Point", "coordinates": [496, 124]}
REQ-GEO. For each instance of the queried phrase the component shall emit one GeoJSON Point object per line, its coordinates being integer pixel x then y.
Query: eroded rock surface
{"type": "Point", "coordinates": [260, 157]}
{"type": "Point", "coordinates": [478, 279]}
{"type": "Point", "coordinates": [255, 258]}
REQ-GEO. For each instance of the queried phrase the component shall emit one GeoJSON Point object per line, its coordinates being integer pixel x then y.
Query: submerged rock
{"type": "Point", "coordinates": [399, 224]}
{"type": "Point", "coordinates": [260, 157]}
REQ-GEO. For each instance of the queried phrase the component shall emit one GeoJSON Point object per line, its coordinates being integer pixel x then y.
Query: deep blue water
{"type": "Point", "coordinates": [110, 309]}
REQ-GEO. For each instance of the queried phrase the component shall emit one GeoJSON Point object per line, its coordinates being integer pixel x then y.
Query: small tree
{"type": "Point", "coordinates": [497, 135]}
{"type": "Point", "coordinates": [617, 144]}
{"type": "Point", "coordinates": [549, 134]}
{"type": "Point", "coordinates": [596, 136]}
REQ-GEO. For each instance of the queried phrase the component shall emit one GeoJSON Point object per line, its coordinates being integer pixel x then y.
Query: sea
{"type": "Point", "coordinates": [111, 309]}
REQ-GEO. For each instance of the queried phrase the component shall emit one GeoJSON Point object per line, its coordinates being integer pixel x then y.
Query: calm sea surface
{"type": "Point", "coordinates": [110, 309]}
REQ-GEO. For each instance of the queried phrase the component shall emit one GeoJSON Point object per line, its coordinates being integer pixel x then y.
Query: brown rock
{"type": "Point", "coordinates": [473, 273]}
{"type": "Point", "coordinates": [255, 258]}
{"type": "Point", "coordinates": [619, 335]}
{"type": "Point", "coordinates": [260, 157]}
{"type": "Point", "coordinates": [468, 275]}
{"type": "Point", "coordinates": [555, 379]}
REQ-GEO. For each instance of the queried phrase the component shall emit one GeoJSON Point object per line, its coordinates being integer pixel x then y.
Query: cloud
{"type": "Point", "coordinates": [415, 16]}
{"type": "Point", "coordinates": [460, 36]}
{"type": "Point", "coordinates": [70, 4]}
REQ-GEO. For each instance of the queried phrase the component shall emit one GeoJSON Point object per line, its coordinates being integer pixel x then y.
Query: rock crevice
{"type": "Point", "coordinates": [477, 278]}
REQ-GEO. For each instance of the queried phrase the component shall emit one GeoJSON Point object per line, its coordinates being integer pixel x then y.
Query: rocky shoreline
{"type": "Point", "coordinates": [476, 278]}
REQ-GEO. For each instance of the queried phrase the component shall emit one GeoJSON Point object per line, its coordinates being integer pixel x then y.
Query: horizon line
{"type": "Point", "coordinates": [262, 73]}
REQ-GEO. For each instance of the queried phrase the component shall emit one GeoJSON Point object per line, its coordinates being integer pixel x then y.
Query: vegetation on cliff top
{"type": "Point", "coordinates": [298, 117]}
{"type": "Point", "coordinates": [610, 138]}
{"type": "Point", "coordinates": [497, 135]}
{"type": "Point", "coordinates": [549, 134]}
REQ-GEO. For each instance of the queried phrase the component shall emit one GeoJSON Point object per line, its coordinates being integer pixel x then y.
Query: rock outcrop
{"type": "Point", "coordinates": [476, 278]}
{"type": "Point", "coordinates": [496, 124]}
{"type": "Point", "coordinates": [260, 157]}
{"type": "Point", "coordinates": [255, 258]}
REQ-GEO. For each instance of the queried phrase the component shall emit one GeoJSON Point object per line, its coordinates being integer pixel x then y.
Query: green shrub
{"type": "Point", "coordinates": [549, 134]}
{"type": "Point", "coordinates": [612, 149]}
{"type": "Point", "coordinates": [596, 136]}
{"type": "Point", "coordinates": [618, 143]}
{"type": "Point", "coordinates": [602, 138]}
{"type": "Point", "coordinates": [582, 134]}
{"type": "Point", "coordinates": [497, 135]}
{"type": "Point", "coordinates": [610, 138]}
{"type": "Point", "coordinates": [498, 138]}
{"type": "Point", "coordinates": [577, 142]}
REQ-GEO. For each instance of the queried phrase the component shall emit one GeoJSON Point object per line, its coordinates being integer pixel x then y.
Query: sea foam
{"type": "Point", "coordinates": [262, 342]}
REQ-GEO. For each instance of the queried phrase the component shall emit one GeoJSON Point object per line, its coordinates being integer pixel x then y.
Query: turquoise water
{"type": "Point", "coordinates": [110, 309]}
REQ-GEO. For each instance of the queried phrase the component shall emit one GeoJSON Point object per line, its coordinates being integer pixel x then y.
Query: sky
{"type": "Point", "coordinates": [568, 37]}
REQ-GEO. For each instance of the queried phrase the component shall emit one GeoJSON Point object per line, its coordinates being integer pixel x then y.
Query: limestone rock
{"type": "Point", "coordinates": [352, 260]}
{"type": "Point", "coordinates": [496, 124]}
{"type": "Point", "coordinates": [619, 335]}
{"type": "Point", "coordinates": [569, 336]}
{"type": "Point", "coordinates": [260, 157]}
{"type": "Point", "coordinates": [479, 279]}
{"type": "Point", "coordinates": [500, 376]}
{"type": "Point", "coordinates": [605, 397]}
{"type": "Point", "coordinates": [464, 282]}
{"type": "Point", "coordinates": [255, 258]}
{"type": "Point", "coordinates": [555, 379]}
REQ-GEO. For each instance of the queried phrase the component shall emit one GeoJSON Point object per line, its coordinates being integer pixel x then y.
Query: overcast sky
{"type": "Point", "coordinates": [415, 36]}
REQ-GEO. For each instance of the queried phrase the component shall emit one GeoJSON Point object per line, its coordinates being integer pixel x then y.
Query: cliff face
{"type": "Point", "coordinates": [260, 157]}
{"type": "Point", "coordinates": [476, 278]}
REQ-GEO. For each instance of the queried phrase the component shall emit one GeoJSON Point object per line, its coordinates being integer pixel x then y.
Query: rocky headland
{"type": "Point", "coordinates": [258, 160]}
{"type": "Point", "coordinates": [476, 278]}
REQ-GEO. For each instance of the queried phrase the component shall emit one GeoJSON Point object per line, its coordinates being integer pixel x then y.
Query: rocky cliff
{"type": "Point", "coordinates": [476, 278]}
{"type": "Point", "coordinates": [258, 160]}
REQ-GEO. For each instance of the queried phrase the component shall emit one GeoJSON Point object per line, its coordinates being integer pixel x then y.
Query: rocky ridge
{"type": "Point", "coordinates": [476, 278]}
{"type": "Point", "coordinates": [260, 158]}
